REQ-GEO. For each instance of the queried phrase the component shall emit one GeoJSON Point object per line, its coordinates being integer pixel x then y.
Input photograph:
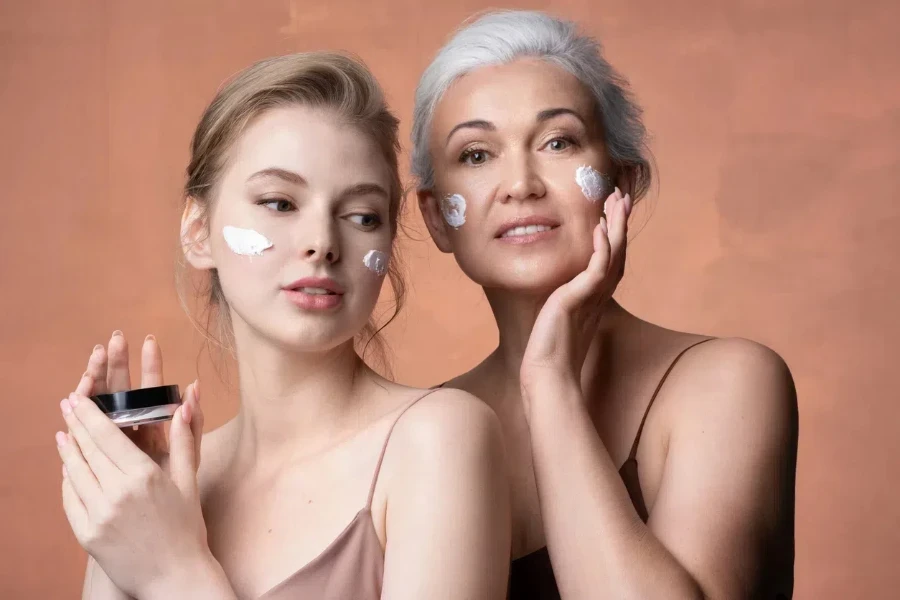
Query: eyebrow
{"type": "Point", "coordinates": [365, 189]}
{"type": "Point", "coordinates": [544, 115]}
{"type": "Point", "coordinates": [550, 113]}
{"type": "Point", "coordinates": [284, 174]}
{"type": "Point", "coordinates": [476, 124]}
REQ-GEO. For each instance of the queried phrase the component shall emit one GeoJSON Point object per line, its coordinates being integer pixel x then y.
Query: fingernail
{"type": "Point", "coordinates": [65, 407]}
{"type": "Point", "coordinates": [186, 412]}
{"type": "Point", "coordinates": [65, 472]}
{"type": "Point", "coordinates": [603, 226]}
{"type": "Point", "coordinates": [618, 192]}
{"type": "Point", "coordinates": [73, 400]}
{"type": "Point", "coordinates": [197, 390]}
{"type": "Point", "coordinates": [60, 438]}
{"type": "Point", "coordinates": [150, 338]}
{"type": "Point", "coordinates": [98, 347]}
{"type": "Point", "coordinates": [628, 204]}
{"type": "Point", "coordinates": [606, 206]}
{"type": "Point", "coordinates": [117, 332]}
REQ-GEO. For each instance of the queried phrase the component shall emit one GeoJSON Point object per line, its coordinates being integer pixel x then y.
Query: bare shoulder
{"type": "Point", "coordinates": [446, 419]}
{"type": "Point", "coordinates": [739, 383]}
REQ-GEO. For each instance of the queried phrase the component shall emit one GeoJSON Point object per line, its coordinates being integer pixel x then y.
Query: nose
{"type": "Point", "coordinates": [320, 241]}
{"type": "Point", "coordinates": [522, 180]}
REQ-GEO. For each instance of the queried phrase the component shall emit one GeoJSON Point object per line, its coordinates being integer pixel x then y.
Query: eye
{"type": "Point", "coordinates": [277, 204]}
{"type": "Point", "coordinates": [559, 144]}
{"type": "Point", "coordinates": [473, 156]}
{"type": "Point", "coordinates": [366, 220]}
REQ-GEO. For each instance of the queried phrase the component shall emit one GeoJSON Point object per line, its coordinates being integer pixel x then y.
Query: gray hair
{"type": "Point", "coordinates": [500, 37]}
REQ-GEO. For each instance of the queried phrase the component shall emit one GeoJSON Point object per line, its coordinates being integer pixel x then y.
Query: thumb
{"type": "Point", "coordinates": [195, 418]}
{"type": "Point", "coordinates": [182, 460]}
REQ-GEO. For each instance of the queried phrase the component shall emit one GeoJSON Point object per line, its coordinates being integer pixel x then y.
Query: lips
{"type": "Point", "coordinates": [526, 226]}
{"type": "Point", "coordinates": [316, 285]}
{"type": "Point", "coordinates": [315, 293]}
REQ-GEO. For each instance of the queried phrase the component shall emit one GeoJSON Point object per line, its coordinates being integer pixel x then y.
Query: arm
{"type": "Point", "coordinates": [97, 586]}
{"type": "Point", "coordinates": [448, 519]}
{"type": "Point", "coordinates": [725, 502]}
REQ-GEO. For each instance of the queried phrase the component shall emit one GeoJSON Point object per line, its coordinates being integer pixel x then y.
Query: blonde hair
{"type": "Point", "coordinates": [325, 80]}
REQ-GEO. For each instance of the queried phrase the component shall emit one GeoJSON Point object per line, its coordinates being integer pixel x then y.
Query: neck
{"type": "Point", "coordinates": [515, 314]}
{"type": "Point", "coordinates": [294, 403]}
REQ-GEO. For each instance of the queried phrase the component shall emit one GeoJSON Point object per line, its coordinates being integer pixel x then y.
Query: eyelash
{"type": "Point", "coordinates": [468, 152]}
{"type": "Point", "coordinates": [267, 201]}
{"type": "Point", "coordinates": [377, 219]}
{"type": "Point", "coordinates": [370, 227]}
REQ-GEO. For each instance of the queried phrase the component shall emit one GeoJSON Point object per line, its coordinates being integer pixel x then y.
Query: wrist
{"type": "Point", "coordinates": [200, 577]}
{"type": "Point", "coordinates": [553, 394]}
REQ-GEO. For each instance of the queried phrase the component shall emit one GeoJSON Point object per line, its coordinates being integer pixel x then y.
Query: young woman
{"type": "Point", "coordinates": [530, 153]}
{"type": "Point", "coordinates": [331, 482]}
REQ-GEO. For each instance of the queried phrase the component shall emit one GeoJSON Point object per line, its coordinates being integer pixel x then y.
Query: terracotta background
{"type": "Point", "coordinates": [777, 136]}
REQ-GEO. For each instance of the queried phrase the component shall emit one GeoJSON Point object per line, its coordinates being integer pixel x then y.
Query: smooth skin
{"type": "Point", "coordinates": [277, 484]}
{"type": "Point", "coordinates": [574, 371]}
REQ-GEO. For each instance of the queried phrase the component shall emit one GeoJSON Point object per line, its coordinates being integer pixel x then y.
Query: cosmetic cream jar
{"type": "Point", "coordinates": [131, 408]}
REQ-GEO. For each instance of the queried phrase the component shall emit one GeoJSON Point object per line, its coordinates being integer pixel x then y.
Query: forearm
{"type": "Point", "coordinates": [598, 544]}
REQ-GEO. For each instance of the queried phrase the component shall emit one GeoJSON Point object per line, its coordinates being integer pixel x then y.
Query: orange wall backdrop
{"type": "Point", "coordinates": [777, 134]}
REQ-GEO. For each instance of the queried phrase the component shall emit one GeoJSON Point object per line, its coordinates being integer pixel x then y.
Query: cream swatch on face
{"type": "Point", "coordinates": [376, 261]}
{"type": "Point", "coordinates": [591, 181]}
{"type": "Point", "coordinates": [453, 208]}
{"type": "Point", "coordinates": [245, 242]}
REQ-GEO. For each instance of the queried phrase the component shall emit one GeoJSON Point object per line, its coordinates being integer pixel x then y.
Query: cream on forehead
{"type": "Point", "coordinates": [245, 242]}
{"type": "Point", "coordinates": [376, 261]}
{"type": "Point", "coordinates": [454, 210]}
{"type": "Point", "coordinates": [591, 181]}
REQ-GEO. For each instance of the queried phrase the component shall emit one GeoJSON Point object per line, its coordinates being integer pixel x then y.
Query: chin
{"type": "Point", "coordinates": [529, 276]}
{"type": "Point", "coordinates": [311, 339]}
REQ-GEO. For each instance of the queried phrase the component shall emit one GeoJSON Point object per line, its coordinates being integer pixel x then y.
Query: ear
{"type": "Point", "coordinates": [195, 236]}
{"type": "Point", "coordinates": [430, 207]}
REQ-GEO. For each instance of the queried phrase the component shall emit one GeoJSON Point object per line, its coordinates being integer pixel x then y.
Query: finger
{"type": "Point", "coordinates": [117, 377]}
{"type": "Point", "coordinates": [590, 281]}
{"type": "Point", "coordinates": [104, 470]}
{"type": "Point", "coordinates": [151, 363]}
{"type": "Point", "coordinates": [195, 418]}
{"type": "Point", "coordinates": [618, 219]}
{"type": "Point", "coordinates": [78, 471]}
{"type": "Point", "coordinates": [96, 372]}
{"type": "Point", "coordinates": [106, 437]}
{"type": "Point", "coordinates": [76, 513]}
{"type": "Point", "coordinates": [182, 463]}
{"type": "Point", "coordinates": [105, 448]}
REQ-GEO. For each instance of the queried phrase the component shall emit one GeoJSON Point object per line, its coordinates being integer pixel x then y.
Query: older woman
{"type": "Point", "coordinates": [645, 462]}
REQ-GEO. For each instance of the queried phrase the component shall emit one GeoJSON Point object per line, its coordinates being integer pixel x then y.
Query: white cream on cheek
{"type": "Point", "coordinates": [245, 242]}
{"type": "Point", "coordinates": [376, 261]}
{"type": "Point", "coordinates": [592, 182]}
{"type": "Point", "coordinates": [453, 208]}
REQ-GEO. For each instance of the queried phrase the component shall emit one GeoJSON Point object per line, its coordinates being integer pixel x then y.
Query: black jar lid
{"type": "Point", "coordinates": [139, 398]}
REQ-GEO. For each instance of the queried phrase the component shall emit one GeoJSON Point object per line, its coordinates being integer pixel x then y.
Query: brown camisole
{"type": "Point", "coordinates": [531, 576]}
{"type": "Point", "coordinates": [352, 566]}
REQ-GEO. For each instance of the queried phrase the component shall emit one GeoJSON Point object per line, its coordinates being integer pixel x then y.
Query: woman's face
{"type": "Point", "coordinates": [299, 231]}
{"type": "Point", "coordinates": [509, 140]}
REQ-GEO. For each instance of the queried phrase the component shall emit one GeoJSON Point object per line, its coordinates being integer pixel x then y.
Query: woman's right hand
{"type": "Point", "coordinates": [108, 372]}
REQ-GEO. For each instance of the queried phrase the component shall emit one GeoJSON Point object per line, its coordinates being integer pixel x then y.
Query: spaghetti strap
{"type": "Point", "coordinates": [386, 440]}
{"type": "Point", "coordinates": [637, 438]}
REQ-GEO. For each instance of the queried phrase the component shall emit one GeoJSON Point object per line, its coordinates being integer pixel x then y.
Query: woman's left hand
{"type": "Point", "coordinates": [144, 527]}
{"type": "Point", "coordinates": [567, 323]}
